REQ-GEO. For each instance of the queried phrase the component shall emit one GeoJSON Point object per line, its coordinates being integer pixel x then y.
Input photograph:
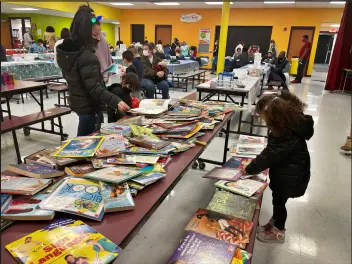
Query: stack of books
{"type": "Point", "coordinates": [248, 146]}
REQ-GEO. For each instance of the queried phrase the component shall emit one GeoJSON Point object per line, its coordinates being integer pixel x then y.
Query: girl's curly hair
{"type": "Point", "coordinates": [280, 111]}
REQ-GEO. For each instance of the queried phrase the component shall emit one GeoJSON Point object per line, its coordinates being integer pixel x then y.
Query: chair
{"type": "Point", "coordinates": [346, 74]}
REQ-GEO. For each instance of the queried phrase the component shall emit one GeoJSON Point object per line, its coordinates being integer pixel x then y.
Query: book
{"type": "Point", "coordinates": [197, 248]}
{"type": "Point", "coordinates": [112, 68]}
{"type": "Point", "coordinates": [115, 175]}
{"type": "Point", "coordinates": [43, 157]}
{"type": "Point", "coordinates": [223, 174]}
{"type": "Point", "coordinates": [76, 196]}
{"type": "Point", "coordinates": [23, 207]}
{"type": "Point", "coordinates": [127, 120]}
{"type": "Point", "coordinates": [152, 107]}
{"type": "Point", "coordinates": [80, 147]}
{"type": "Point", "coordinates": [113, 128]}
{"type": "Point", "coordinates": [136, 186]}
{"type": "Point", "coordinates": [4, 224]}
{"type": "Point", "coordinates": [139, 150]}
{"type": "Point", "coordinates": [149, 178]}
{"type": "Point", "coordinates": [148, 159]}
{"type": "Point", "coordinates": [112, 145]}
{"type": "Point", "coordinates": [243, 187]}
{"type": "Point", "coordinates": [5, 200]}
{"type": "Point", "coordinates": [79, 170]}
{"type": "Point", "coordinates": [180, 110]}
{"type": "Point", "coordinates": [122, 159]}
{"type": "Point", "coordinates": [149, 142]}
{"type": "Point", "coordinates": [228, 228]}
{"type": "Point", "coordinates": [101, 163]}
{"type": "Point", "coordinates": [35, 170]}
{"type": "Point", "coordinates": [64, 241]}
{"type": "Point", "coordinates": [231, 204]}
{"type": "Point", "coordinates": [22, 185]}
{"type": "Point", "coordinates": [180, 129]}
{"type": "Point", "coordinates": [186, 135]}
{"type": "Point", "coordinates": [244, 139]}
{"type": "Point", "coordinates": [241, 257]}
{"type": "Point", "coordinates": [117, 197]}
{"type": "Point", "coordinates": [142, 131]}
{"type": "Point", "coordinates": [249, 149]}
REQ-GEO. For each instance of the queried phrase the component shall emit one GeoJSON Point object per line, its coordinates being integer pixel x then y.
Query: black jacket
{"type": "Point", "coordinates": [139, 67]}
{"type": "Point", "coordinates": [288, 160]}
{"type": "Point", "coordinates": [240, 61]}
{"type": "Point", "coordinates": [280, 64]}
{"type": "Point", "coordinates": [81, 70]}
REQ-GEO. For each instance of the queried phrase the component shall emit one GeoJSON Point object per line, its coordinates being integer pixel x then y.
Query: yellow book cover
{"type": "Point", "coordinates": [80, 147]}
{"type": "Point", "coordinates": [142, 131]}
{"type": "Point", "coordinates": [62, 242]}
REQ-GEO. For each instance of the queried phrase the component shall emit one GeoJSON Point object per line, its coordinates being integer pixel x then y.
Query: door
{"type": "Point", "coordinates": [18, 27]}
{"type": "Point", "coordinates": [6, 35]}
{"type": "Point", "coordinates": [163, 33]}
{"type": "Point", "coordinates": [324, 47]}
{"type": "Point", "coordinates": [137, 33]}
{"type": "Point", "coordinates": [295, 43]}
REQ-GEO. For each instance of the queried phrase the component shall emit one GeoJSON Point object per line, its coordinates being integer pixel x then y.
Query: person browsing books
{"type": "Point", "coordinates": [136, 61]}
{"type": "Point", "coordinates": [286, 155]}
{"type": "Point", "coordinates": [127, 58]}
{"type": "Point", "coordinates": [82, 71]}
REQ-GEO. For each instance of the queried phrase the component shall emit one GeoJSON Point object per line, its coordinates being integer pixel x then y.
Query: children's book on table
{"type": "Point", "coordinates": [113, 128]}
{"type": "Point", "coordinates": [112, 145]}
{"type": "Point", "coordinates": [115, 175]}
{"type": "Point", "coordinates": [245, 187]}
{"type": "Point", "coordinates": [22, 185]}
{"type": "Point", "coordinates": [35, 170]}
{"type": "Point", "coordinates": [117, 197]}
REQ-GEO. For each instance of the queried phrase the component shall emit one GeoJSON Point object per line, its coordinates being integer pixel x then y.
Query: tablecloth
{"type": "Point", "coordinates": [185, 66]}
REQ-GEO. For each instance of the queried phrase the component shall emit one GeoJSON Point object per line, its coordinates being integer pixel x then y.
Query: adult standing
{"type": "Point", "coordinates": [27, 38]}
{"type": "Point", "coordinates": [65, 34]}
{"type": "Point", "coordinates": [215, 57]}
{"type": "Point", "coordinates": [155, 73]}
{"type": "Point", "coordinates": [50, 37]}
{"type": "Point", "coordinates": [174, 46]}
{"type": "Point", "coordinates": [273, 48]}
{"type": "Point", "coordinates": [303, 56]}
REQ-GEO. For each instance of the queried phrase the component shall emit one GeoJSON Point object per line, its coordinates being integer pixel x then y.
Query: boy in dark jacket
{"type": "Point", "coordinates": [286, 156]}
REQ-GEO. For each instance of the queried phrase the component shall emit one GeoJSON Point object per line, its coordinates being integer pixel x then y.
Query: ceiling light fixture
{"type": "Point", "coordinates": [335, 25]}
{"type": "Point", "coordinates": [215, 3]}
{"type": "Point", "coordinates": [167, 4]}
{"type": "Point", "coordinates": [116, 23]}
{"type": "Point", "coordinates": [121, 4]}
{"type": "Point", "coordinates": [338, 2]}
{"type": "Point", "coordinates": [24, 9]}
{"type": "Point", "coordinates": [279, 2]}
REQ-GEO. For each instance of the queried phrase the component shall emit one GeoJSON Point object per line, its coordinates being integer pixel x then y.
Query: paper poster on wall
{"type": "Point", "coordinates": [39, 32]}
{"type": "Point", "coordinates": [203, 40]}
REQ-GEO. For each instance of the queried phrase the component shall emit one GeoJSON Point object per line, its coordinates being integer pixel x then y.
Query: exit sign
{"type": "Point", "coordinates": [334, 29]}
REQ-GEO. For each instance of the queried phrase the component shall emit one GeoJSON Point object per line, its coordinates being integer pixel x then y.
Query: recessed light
{"type": "Point", "coordinates": [215, 3]}
{"type": "Point", "coordinates": [167, 4]}
{"type": "Point", "coordinates": [279, 2]}
{"type": "Point", "coordinates": [335, 25]}
{"type": "Point", "coordinates": [121, 4]}
{"type": "Point", "coordinates": [24, 9]}
{"type": "Point", "coordinates": [338, 2]}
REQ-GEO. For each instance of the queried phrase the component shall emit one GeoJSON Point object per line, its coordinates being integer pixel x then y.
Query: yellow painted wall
{"type": "Point", "coordinates": [278, 18]}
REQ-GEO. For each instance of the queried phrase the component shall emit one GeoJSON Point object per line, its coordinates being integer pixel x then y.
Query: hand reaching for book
{"type": "Point", "coordinates": [123, 107]}
{"type": "Point", "coordinates": [244, 172]}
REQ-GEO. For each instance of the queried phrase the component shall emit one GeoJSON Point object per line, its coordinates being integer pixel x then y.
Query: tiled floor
{"type": "Point", "coordinates": [318, 225]}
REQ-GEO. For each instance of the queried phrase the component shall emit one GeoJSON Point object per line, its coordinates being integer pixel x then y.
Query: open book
{"type": "Point", "coordinates": [152, 107]}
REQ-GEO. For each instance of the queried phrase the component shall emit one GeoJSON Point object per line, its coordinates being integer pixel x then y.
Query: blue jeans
{"type": "Point", "coordinates": [214, 63]}
{"type": "Point", "coordinates": [88, 124]}
{"type": "Point", "coordinates": [149, 86]}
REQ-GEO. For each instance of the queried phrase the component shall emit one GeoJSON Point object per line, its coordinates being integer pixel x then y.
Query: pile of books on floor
{"type": "Point", "coordinates": [220, 233]}
{"type": "Point", "coordinates": [98, 174]}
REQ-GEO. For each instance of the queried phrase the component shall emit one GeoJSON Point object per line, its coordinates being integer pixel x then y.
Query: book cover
{"type": "Point", "coordinates": [241, 257]}
{"type": "Point", "coordinates": [200, 249]}
{"type": "Point", "coordinates": [112, 145]}
{"type": "Point", "coordinates": [149, 142]}
{"type": "Point", "coordinates": [35, 170]}
{"type": "Point", "coordinates": [43, 157]}
{"type": "Point", "coordinates": [172, 125]}
{"type": "Point", "coordinates": [220, 226]}
{"type": "Point", "coordinates": [117, 197]}
{"type": "Point", "coordinates": [180, 129]}
{"type": "Point", "coordinates": [139, 150]}
{"type": "Point", "coordinates": [113, 128]}
{"type": "Point", "coordinates": [115, 175]}
{"type": "Point", "coordinates": [5, 200]}
{"type": "Point", "coordinates": [180, 110]}
{"type": "Point", "coordinates": [127, 120]}
{"type": "Point", "coordinates": [65, 241]}
{"type": "Point", "coordinates": [136, 186]}
{"type": "Point", "coordinates": [244, 139]}
{"type": "Point", "coordinates": [100, 163]}
{"type": "Point", "coordinates": [27, 208]}
{"type": "Point", "coordinates": [186, 135]}
{"type": "Point", "coordinates": [79, 170]}
{"type": "Point", "coordinates": [231, 204]}
{"type": "Point", "coordinates": [142, 131]}
{"type": "Point", "coordinates": [147, 111]}
{"type": "Point", "coordinates": [148, 159]}
{"type": "Point", "coordinates": [80, 147]}
{"type": "Point", "coordinates": [249, 149]}
{"type": "Point", "coordinates": [245, 187]}
{"type": "Point", "coordinates": [149, 178]}
{"type": "Point", "coordinates": [226, 174]}
{"type": "Point", "coordinates": [76, 196]}
{"type": "Point", "coordinates": [122, 159]}
{"type": "Point", "coordinates": [22, 185]}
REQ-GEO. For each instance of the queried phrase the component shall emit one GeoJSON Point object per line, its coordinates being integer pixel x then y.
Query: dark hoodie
{"type": "Point", "coordinates": [288, 159]}
{"type": "Point", "coordinates": [81, 69]}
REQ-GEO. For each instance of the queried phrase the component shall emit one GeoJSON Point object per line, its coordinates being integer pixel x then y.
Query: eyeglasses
{"type": "Point", "coordinates": [95, 19]}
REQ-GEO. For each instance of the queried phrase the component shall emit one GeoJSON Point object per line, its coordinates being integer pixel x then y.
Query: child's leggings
{"type": "Point", "coordinates": [280, 212]}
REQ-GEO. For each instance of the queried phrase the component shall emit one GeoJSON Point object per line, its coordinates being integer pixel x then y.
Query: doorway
{"type": "Point", "coordinates": [137, 32]}
{"type": "Point", "coordinates": [18, 26]}
{"type": "Point", "coordinates": [295, 42]}
{"type": "Point", "coordinates": [163, 33]}
{"type": "Point", "coordinates": [324, 48]}
{"type": "Point", "coordinates": [6, 34]}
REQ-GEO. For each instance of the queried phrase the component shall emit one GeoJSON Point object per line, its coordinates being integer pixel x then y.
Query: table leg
{"type": "Point", "coordinates": [41, 105]}
{"type": "Point", "coordinates": [200, 96]}
{"type": "Point", "coordinates": [240, 119]}
{"type": "Point", "coordinates": [227, 134]}
{"type": "Point", "coordinates": [60, 128]}
{"type": "Point", "coordinates": [8, 106]}
{"type": "Point", "coordinates": [19, 161]}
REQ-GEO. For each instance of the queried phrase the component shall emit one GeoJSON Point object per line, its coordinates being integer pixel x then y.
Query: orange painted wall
{"type": "Point", "coordinates": [278, 18]}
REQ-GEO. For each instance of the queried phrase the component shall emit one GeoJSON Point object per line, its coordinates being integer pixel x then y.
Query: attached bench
{"type": "Point", "coordinates": [184, 78]}
{"type": "Point", "coordinates": [60, 89]}
{"type": "Point", "coordinates": [19, 122]}
{"type": "Point", "coordinates": [46, 79]}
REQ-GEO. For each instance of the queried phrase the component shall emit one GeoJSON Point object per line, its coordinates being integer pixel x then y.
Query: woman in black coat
{"type": "Point", "coordinates": [286, 156]}
{"type": "Point", "coordinates": [81, 70]}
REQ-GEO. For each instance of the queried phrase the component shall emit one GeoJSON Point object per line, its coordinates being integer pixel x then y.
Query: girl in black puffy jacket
{"type": "Point", "coordinates": [286, 156]}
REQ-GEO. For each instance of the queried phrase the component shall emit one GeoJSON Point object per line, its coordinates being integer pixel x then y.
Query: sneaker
{"type": "Point", "coordinates": [348, 145]}
{"type": "Point", "coordinates": [295, 81]}
{"type": "Point", "coordinates": [267, 226]}
{"type": "Point", "coordinates": [272, 235]}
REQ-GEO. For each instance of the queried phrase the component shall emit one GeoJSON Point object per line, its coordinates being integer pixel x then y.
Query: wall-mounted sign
{"type": "Point", "coordinates": [190, 18]}
{"type": "Point", "coordinates": [204, 36]}
{"type": "Point", "coordinates": [333, 29]}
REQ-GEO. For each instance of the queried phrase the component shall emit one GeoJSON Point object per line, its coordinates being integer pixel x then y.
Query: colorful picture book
{"type": "Point", "coordinates": [186, 135]}
{"type": "Point", "coordinates": [184, 111]}
{"type": "Point", "coordinates": [222, 227]}
{"type": "Point", "coordinates": [149, 142]}
{"type": "Point", "coordinates": [135, 185]}
{"type": "Point", "coordinates": [138, 131]}
{"type": "Point", "coordinates": [5, 200]}
{"type": "Point", "coordinates": [148, 159]}
{"type": "Point", "coordinates": [77, 196]}
{"type": "Point", "coordinates": [231, 204]}
{"type": "Point", "coordinates": [79, 170]}
{"type": "Point", "coordinates": [112, 145]}
{"type": "Point", "coordinates": [122, 159]}
{"type": "Point", "coordinates": [35, 170]}
{"type": "Point", "coordinates": [139, 150]}
{"type": "Point", "coordinates": [22, 185]}
{"type": "Point", "coordinates": [241, 257]}
{"type": "Point", "coordinates": [176, 130]}
{"type": "Point", "coordinates": [43, 157]}
{"type": "Point", "coordinates": [80, 147]}
{"type": "Point", "coordinates": [226, 174]}
{"type": "Point", "coordinates": [245, 139]}
{"type": "Point", "coordinates": [149, 178]}
{"type": "Point", "coordinates": [115, 175]}
{"type": "Point", "coordinates": [113, 128]}
{"type": "Point", "coordinates": [117, 197]}
{"type": "Point", "coordinates": [243, 187]}
{"type": "Point", "coordinates": [100, 163]}
{"type": "Point", "coordinates": [62, 242]}
{"type": "Point", "coordinates": [197, 248]}
{"type": "Point", "coordinates": [249, 149]}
